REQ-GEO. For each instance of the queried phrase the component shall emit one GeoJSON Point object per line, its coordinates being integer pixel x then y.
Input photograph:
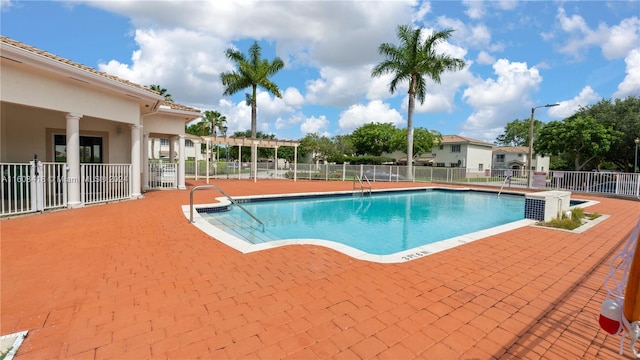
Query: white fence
{"type": "Point", "coordinates": [163, 175]}
{"type": "Point", "coordinates": [612, 183]}
{"type": "Point", "coordinates": [32, 186]}
{"type": "Point", "coordinates": [105, 182]}
{"type": "Point", "coordinates": [37, 186]}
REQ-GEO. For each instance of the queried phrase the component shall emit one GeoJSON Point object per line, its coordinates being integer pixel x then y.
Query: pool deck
{"type": "Point", "coordinates": [135, 280]}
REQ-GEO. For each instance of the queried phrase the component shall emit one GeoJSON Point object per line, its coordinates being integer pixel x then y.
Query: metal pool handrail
{"type": "Point", "coordinates": [362, 184]}
{"type": "Point", "coordinates": [200, 187]}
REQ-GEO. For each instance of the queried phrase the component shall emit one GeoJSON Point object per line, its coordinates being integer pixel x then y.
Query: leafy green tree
{"type": "Point", "coordinates": [251, 72]}
{"type": "Point", "coordinates": [423, 140]}
{"type": "Point", "coordinates": [287, 153]}
{"type": "Point", "coordinates": [344, 145]}
{"type": "Point", "coordinates": [194, 129]}
{"type": "Point", "coordinates": [622, 116]}
{"type": "Point", "coordinates": [516, 132]}
{"type": "Point", "coordinates": [373, 138]}
{"type": "Point", "coordinates": [162, 92]}
{"type": "Point", "coordinates": [581, 139]}
{"type": "Point", "coordinates": [413, 61]}
{"type": "Point", "coordinates": [320, 147]}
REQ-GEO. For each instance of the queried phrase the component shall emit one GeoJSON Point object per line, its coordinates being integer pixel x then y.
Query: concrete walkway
{"type": "Point", "coordinates": [134, 280]}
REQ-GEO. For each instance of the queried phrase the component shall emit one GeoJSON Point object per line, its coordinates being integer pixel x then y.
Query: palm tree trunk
{"type": "Point", "coordinates": [254, 122]}
{"type": "Point", "coordinates": [412, 105]}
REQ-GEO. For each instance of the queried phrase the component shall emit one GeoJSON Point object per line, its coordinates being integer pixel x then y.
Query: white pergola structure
{"type": "Point", "coordinates": [257, 143]}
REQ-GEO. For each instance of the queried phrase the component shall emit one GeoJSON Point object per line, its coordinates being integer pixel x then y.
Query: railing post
{"type": "Point", "coordinates": [37, 185]}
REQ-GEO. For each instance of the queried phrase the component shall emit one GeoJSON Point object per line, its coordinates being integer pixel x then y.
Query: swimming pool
{"type": "Point", "coordinates": [387, 226]}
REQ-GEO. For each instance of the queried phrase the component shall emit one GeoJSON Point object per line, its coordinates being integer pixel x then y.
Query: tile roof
{"type": "Point", "coordinates": [448, 139]}
{"type": "Point", "coordinates": [175, 106]}
{"type": "Point", "coordinates": [512, 149]}
{"type": "Point", "coordinates": [103, 74]}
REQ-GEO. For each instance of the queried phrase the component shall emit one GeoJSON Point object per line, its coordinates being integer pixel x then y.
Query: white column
{"type": "Point", "coordinates": [275, 168]}
{"type": "Point", "coordinates": [172, 150]}
{"type": "Point", "coordinates": [73, 161]}
{"type": "Point", "coordinates": [208, 155]}
{"type": "Point", "coordinates": [145, 161]}
{"type": "Point", "coordinates": [181, 162]}
{"type": "Point", "coordinates": [254, 163]}
{"type": "Point", "coordinates": [239, 161]}
{"type": "Point", "coordinates": [197, 155]}
{"type": "Point", "coordinates": [295, 163]}
{"type": "Point", "coordinates": [136, 168]}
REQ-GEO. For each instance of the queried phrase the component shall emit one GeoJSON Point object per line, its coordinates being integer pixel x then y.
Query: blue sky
{"type": "Point", "coordinates": [519, 54]}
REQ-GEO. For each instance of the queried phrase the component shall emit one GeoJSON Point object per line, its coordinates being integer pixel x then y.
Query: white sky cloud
{"type": "Point", "coordinates": [477, 36]}
{"type": "Point", "coordinates": [336, 43]}
{"type": "Point", "coordinates": [630, 86]}
{"type": "Point", "coordinates": [423, 9]}
{"type": "Point", "coordinates": [189, 62]}
{"type": "Point", "coordinates": [569, 107]}
{"type": "Point", "coordinates": [513, 83]}
{"type": "Point", "coordinates": [374, 112]}
{"type": "Point", "coordinates": [316, 125]}
{"type": "Point", "coordinates": [338, 87]}
{"type": "Point", "coordinates": [500, 100]}
{"type": "Point", "coordinates": [614, 41]}
{"type": "Point", "coordinates": [475, 9]}
{"type": "Point", "coordinates": [484, 58]}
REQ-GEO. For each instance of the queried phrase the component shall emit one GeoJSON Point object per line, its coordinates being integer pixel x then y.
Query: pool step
{"type": "Point", "coordinates": [242, 227]}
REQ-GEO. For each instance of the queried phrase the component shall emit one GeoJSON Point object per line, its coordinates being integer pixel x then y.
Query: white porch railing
{"type": "Point", "coordinates": [163, 175]}
{"type": "Point", "coordinates": [32, 186]}
{"type": "Point", "coordinates": [54, 185]}
{"type": "Point", "coordinates": [16, 188]}
{"type": "Point", "coordinates": [105, 182]}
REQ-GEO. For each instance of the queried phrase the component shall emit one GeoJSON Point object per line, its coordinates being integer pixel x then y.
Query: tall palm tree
{"type": "Point", "coordinates": [251, 72]}
{"type": "Point", "coordinates": [414, 60]}
{"type": "Point", "coordinates": [212, 119]}
{"type": "Point", "coordinates": [162, 92]}
{"type": "Point", "coordinates": [167, 97]}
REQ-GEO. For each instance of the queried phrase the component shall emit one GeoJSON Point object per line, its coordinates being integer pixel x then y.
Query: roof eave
{"type": "Point", "coordinates": [188, 115]}
{"type": "Point", "coordinates": [17, 54]}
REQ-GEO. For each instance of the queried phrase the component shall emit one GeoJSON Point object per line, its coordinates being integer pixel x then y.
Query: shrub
{"type": "Point", "coordinates": [574, 222]}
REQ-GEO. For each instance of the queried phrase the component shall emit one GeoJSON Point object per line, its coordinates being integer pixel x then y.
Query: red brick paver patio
{"type": "Point", "coordinates": [134, 280]}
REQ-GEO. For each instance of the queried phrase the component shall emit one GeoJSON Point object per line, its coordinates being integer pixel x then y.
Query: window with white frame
{"type": "Point", "coordinates": [455, 148]}
{"type": "Point", "coordinates": [500, 158]}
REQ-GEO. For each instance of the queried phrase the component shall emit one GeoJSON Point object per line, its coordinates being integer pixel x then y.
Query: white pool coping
{"type": "Point", "coordinates": [9, 344]}
{"type": "Point", "coordinates": [399, 257]}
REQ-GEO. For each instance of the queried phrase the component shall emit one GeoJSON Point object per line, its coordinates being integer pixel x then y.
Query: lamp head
{"type": "Point", "coordinates": [637, 141]}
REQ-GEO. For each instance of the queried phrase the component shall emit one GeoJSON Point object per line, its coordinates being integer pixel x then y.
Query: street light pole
{"type": "Point", "coordinates": [530, 157]}
{"type": "Point", "coordinates": [224, 132]}
{"type": "Point", "coordinates": [635, 162]}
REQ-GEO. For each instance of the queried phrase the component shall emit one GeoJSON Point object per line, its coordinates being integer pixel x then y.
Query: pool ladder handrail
{"type": "Point", "coordinates": [362, 184]}
{"type": "Point", "coordinates": [508, 178]}
{"type": "Point", "coordinates": [200, 187]}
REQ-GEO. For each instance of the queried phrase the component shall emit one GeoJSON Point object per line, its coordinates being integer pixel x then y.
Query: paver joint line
{"type": "Point", "coordinates": [134, 279]}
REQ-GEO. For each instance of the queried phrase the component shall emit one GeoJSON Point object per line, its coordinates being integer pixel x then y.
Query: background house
{"type": "Point", "coordinates": [454, 151]}
{"type": "Point", "coordinates": [460, 151]}
{"type": "Point", "coordinates": [515, 158]}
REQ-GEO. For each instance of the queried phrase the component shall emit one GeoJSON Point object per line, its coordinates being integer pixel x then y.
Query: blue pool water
{"type": "Point", "coordinates": [382, 223]}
